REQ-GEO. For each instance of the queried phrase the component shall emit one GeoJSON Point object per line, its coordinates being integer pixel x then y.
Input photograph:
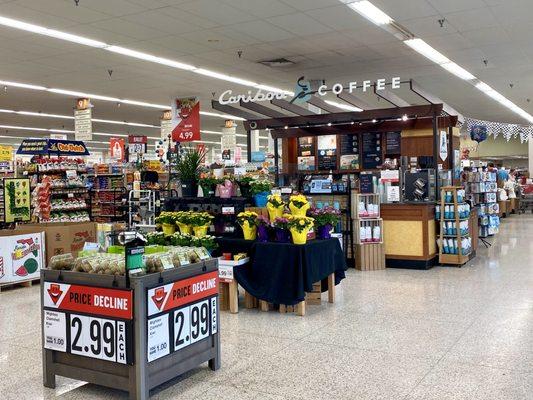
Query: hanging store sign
{"type": "Point", "coordinates": [304, 91]}
{"type": "Point", "coordinates": [166, 124]}
{"type": "Point", "coordinates": [186, 120]}
{"type": "Point", "coordinates": [53, 147]}
{"type": "Point", "coordinates": [116, 149]}
{"type": "Point", "coordinates": [228, 143]}
{"type": "Point", "coordinates": [6, 153]}
{"type": "Point", "coordinates": [83, 127]}
{"type": "Point", "coordinates": [443, 145]}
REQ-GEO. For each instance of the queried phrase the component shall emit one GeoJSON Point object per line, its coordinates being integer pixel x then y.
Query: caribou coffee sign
{"type": "Point", "coordinates": [304, 92]}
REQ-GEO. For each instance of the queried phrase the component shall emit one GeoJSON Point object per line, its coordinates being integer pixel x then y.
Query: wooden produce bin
{"type": "Point", "coordinates": [409, 235]}
{"type": "Point", "coordinates": [370, 257]}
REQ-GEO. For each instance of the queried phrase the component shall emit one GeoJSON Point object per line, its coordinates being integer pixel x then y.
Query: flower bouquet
{"type": "Point", "coordinates": [183, 220]}
{"type": "Point", "coordinates": [167, 220]}
{"type": "Point", "coordinates": [260, 190]}
{"type": "Point", "coordinates": [275, 206]}
{"type": "Point", "coordinates": [200, 222]}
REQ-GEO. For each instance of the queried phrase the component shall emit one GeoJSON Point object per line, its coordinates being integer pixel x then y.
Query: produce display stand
{"type": "Point", "coordinates": [97, 328]}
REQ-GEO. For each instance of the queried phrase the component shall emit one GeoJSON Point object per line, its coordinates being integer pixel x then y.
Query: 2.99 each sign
{"type": "Point", "coordinates": [100, 338]}
{"type": "Point", "coordinates": [186, 325]}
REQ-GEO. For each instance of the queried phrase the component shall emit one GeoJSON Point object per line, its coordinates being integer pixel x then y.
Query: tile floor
{"type": "Point", "coordinates": [446, 333]}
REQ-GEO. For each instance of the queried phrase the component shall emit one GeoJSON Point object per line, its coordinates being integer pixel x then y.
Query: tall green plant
{"type": "Point", "coordinates": [189, 162]}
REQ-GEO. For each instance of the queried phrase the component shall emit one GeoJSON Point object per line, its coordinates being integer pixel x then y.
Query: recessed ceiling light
{"type": "Point", "coordinates": [369, 11]}
{"type": "Point", "coordinates": [374, 120]}
{"type": "Point", "coordinates": [404, 117]}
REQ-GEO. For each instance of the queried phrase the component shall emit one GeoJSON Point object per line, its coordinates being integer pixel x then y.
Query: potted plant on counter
{"type": "Point", "coordinates": [244, 184]}
{"type": "Point", "coordinates": [247, 220]}
{"type": "Point", "coordinates": [208, 184]}
{"type": "Point", "coordinates": [187, 168]}
{"type": "Point", "coordinates": [299, 227]}
{"type": "Point", "coordinates": [183, 220]}
{"type": "Point", "coordinates": [167, 220]}
{"type": "Point", "coordinates": [260, 190]}
{"type": "Point", "coordinates": [325, 219]}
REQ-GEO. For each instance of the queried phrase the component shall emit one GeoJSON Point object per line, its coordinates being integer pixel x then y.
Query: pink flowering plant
{"type": "Point", "coordinates": [325, 216]}
{"type": "Point", "coordinates": [262, 221]}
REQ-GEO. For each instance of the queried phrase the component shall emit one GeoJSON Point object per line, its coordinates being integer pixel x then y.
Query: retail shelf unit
{"type": "Point", "coordinates": [368, 232]}
{"type": "Point", "coordinates": [453, 215]}
{"type": "Point", "coordinates": [481, 190]}
{"type": "Point", "coordinates": [108, 193]}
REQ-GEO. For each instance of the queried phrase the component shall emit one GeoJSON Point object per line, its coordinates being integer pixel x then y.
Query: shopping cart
{"type": "Point", "coordinates": [525, 198]}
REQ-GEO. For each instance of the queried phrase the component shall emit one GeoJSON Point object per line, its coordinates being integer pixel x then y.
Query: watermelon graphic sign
{"type": "Point", "coordinates": [22, 256]}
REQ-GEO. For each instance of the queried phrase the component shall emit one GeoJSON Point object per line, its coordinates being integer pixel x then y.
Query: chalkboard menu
{"type": "Point", "coordinates": [393, 143]}
{"type": "Point", "coordinates": [306, 146]}
{"type": "Point", "coordinates": [349, 151]}
{"type": "Point", "coordinates": [371, 145]}
{"type": "Point", "coordinates": [327, 152]}
{"type": "Point", "coordinates": [365, 183]}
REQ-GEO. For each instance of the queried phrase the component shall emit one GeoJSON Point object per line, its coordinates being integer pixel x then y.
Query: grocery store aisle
{"type": "Point", "coordinates": [446, 333]}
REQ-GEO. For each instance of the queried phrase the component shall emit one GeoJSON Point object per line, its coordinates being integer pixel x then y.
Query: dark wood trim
{"type": "Point", "coordinates": [318, 102]}
{"type": "Point", "coordinates": [261, 109]}
{"type": "Point", "coordinates": [233, 111]}
{"type": "Point", "coordinates": [293, 108]}
{"type": "Point", "coordinates": [392, 98]}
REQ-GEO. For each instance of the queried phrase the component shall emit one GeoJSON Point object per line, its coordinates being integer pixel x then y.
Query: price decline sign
{"type": "Point", "coordinates": [88, 321]}
{"type": "Point", "coordinates": [181, 313]}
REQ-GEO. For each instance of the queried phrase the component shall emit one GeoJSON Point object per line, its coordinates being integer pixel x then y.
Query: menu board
{"type": "Point", "coordinates": [306, 153]}
{"type": "Point", "coordinates": [327, 152]}
{"type": "Point", "coordinates": [349, 150]}
{"type": "Point", "coordinates": [393, 143]}
{"type": "Point", "coordinates": [371, 145]}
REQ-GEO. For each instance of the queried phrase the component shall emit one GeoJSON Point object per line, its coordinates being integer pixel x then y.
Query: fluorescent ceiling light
{"type": "Point", "coordinates": [482, 86]}
{"type": "Point", "coordinates": [458, 71]}
{"type": "Point", "coordinates": [427, 51]}
{"type": "Point", "coordinates": [71, 117]}
{"type": "Point", "coordinates": [370, 12]}
{"type": "Point", "coordinates": [75, 93]}
{"type": "Point", "coordinates": [343, 106]}
{"type": "Point", "coordinates": [13, 23]}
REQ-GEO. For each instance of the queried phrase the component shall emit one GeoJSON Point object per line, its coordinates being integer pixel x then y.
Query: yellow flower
{"type": "Point", "coordinates": [302, 222]}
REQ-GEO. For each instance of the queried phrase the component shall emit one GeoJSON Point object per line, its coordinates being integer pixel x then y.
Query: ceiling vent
{"type": "Point", "coordinates": [277, 63]}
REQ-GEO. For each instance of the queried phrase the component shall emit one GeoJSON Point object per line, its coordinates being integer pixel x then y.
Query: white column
{"type": "Point", "coordinates": [254, 140]}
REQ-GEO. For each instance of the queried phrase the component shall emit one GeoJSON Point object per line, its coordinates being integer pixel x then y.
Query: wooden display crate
{"type": "Point", "coordinates": [371, 198]}
{"type": "Point", "coordinates": [370, 257]}
{"type": "Point", "coordinates": [453, 259]}
{"type": "Point", "coordinates": [372, 222]}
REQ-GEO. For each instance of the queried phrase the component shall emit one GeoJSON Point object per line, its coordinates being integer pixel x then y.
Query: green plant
{"type": "Point", "coordinates": [166, 217]}
{"type": "Point", "coordinates": [184, 217]}
{"type": "Point", "coordinates": [180, 239]}
{"type": "Point", "coordinates": [208, 181]}
{"type": "Point", "coordinates": [207, 241]}
{"type": "Point", "coordinates": [325, 216]}
{"type": "Point", "coordinates": [189, 162]}
{"type": "Point", "coordinates": [249, 216]}
{"type": "Point", "coordinates": [260, 186]}
{"type": "Point", "coordinates": [246, 180]}
{"type": "Point", "coordinates": [300, 223]}
{"type": "Point", "coordinates": [200, 219]}
{"type": "Point", "coordinates": [276, 200]}
{"type": "Point", "coordinates": [158, 238]}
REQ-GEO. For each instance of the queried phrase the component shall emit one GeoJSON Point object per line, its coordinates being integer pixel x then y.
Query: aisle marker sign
{"type": "Point", "coordinates": [83, 127]}
{"type": "Point", "coordinates": [88, 299]}
{"type": "Point", "coordinates": [186, 120]}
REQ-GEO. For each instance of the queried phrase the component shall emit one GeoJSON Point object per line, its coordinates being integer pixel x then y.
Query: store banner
{"type": "Point", "coordinates": [166, 124]}
{"type": "Point", "coordinates": [83, 127]}
{"type": "Point", "coordinates": [21, 257]}
{"type": "Point", "coordinates": [443, 145]}
{"type": "Point", "coordinates": [186, 120]}
{"type": "Point", "coordinates": [17, 200]}
{"type": "Point", "coordinates": [136, 145]}
{"type": "Point", "coordinates": [116, 149]}
{"type": "Point", "coordinates": [53, 147]}
{"type": "Point", "coordinates": [228, 142]}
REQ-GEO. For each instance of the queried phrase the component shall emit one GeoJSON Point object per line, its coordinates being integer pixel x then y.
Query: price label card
{"type": "Point", "coordinates": [55, 331]}
{"type": "Point", "coordinates": [225, 273]}
{"type": "Point", "coordinates": [167, 261]}
{"type": "Point", "coordinates": [100, 338]}
{"type": "Point", "coordinates": [158, 337]}
{"type": "Point", "coordinates": [228, 210]}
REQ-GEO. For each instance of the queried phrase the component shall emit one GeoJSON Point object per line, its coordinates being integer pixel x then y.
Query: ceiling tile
{"type": "Point", "coordinates": [429, 27]}
{"type": "Point", "coordinates": [262, 30]}
{"type": "Point", "coordinates": [337, 17]}
{"type": "Point", "coordinates": [223, 15]}
{"type": "Point", "coordinates": [304, 5]}
{"type": "Point", "coordinates": [67, 10]}
{"type": "Point", "coordinates": [299, 24]}
{"type": "Point", "coordinates": [472, 19]}
{"type": "Point", "coordinates": [403, 10]}
{"type": "Point", "coordinates": [448, 6]}
{"type": "Point", "coordinates": [115, 8]}
{"type": "Point", "coordinates": [159, 20]}
{"type": "Point", "coordinates": [128, 28]}
{"type": "Point", "coordinates": [261, 8]}
{"type": "Point", "coordinates": [486, 36]}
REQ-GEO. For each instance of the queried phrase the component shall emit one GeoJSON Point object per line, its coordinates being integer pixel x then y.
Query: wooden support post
{"type": "Point", "coordinates": [263, 305]}
{"type": "Point", "coordinates": [233, 297]}
{"type": "Point", "coordinates": [300, 308]}
{"type": "Point", "coordinates": [331, 288]}
{"type": "Point", "coordinates": [249, 301]}
{"type": "Point", "coordinates": [282, 308]}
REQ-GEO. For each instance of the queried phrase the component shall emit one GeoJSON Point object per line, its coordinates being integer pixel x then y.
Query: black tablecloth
{"type": "Point", "coordinates": [281, 273]}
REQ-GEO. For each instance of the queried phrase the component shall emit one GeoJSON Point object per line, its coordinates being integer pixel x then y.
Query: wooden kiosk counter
{"type": "Point", "coordinates": [409, 235]}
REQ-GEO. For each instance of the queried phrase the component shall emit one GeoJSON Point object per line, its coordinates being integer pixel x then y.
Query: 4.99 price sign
{"type": "Point", "coordinates": [181, 313]}
{"type": "Point", "coordinates": [92, 335]}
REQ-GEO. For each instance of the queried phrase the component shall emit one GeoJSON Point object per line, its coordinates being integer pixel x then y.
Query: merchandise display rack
{"type": "Point", "coordinates": [149, 347]}
{"type": "Point", "coordinates": [459, 257]}
{"type": "Point", "coordinates": [368, 230]}
{"type": "Point", "coordinates": [481, 190]}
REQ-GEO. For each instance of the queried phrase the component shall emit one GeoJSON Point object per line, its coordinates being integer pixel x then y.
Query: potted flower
{"type": "Point", "coordinates": [275, 206]}
{"type": "Point", "coordinates": [260, 190]}
{"type": "Point", "coordinates": [208, 184]}
{"type": "Point", "coordinates": [299, 227]}
{"type": "Point", "coordinates": [167, 220]}
{"type": "Point", "coordinates": [281, 227]}
{"type": "Point", "coordinates": [298, 205]}
{"type": "Point", "coordinates": [183, 220]}
{"type": "Point", "coordinates": [263, 224]}
{"type": "Point", "coordinates": [180, 239]}
{"type": "Point", "coordinates": [207, 241]}
{"type": "Point", "coordinates": [187, 168]}
{"type": "Point", "coordinates": [225, 188]}
{"type": "Point", "coordinates": [325, 219]}
{"type": "Point", "coordinates": [244, 183]}
{"type": "Point", "coordinates": [247, 221]}
{"type": "Point", "coordinates": [200, 222]}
